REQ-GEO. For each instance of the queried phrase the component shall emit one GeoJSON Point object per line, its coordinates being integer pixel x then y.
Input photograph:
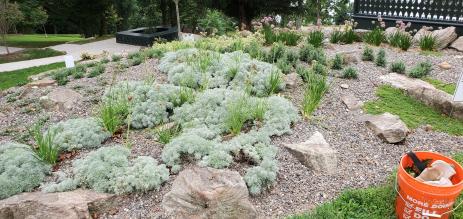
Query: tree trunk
{"type": "Point", "coordinates": [242, 14]}
{"type": "Point", "coordinates": [178, 20]}
{"type": "Point", "coordinates": [5, 43]}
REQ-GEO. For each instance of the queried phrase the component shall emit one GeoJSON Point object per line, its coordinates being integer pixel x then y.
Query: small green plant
{"type": "Point", "coordinates": [104, 60]}
{"type": "Point", "coordinates": [338, 62]}
{"type": "Point", "coordinates": [237, 115]}
{"type": "Point", "coordinates": [349, 36]}
{"type": "Point", "coordinates": [284, 65]}
{"type": "Point", "coordinates": [61, 77]}
{"type": "Point", "coordinates": [375, 36]}
{"type": "Point", "coordinates": [350, 73]}
{"type": "Point", "coordinates": [277, 52]}
{"type": "Point", "coordinates": [289, 38]}
{"type": "Point", "coordinates": [216, 23]}
{"type": "Point", "coordinates": [400, 39]}
{"type": "Point", "coordinates": [78, 71]}
{"type": "Point", "coordinates": [186, 95]}
{"type": "Point", "coordinates": [116, 58]}
{"type": "Point", "coordinates": [318, 68]}
{"type": "Point", "coordinates": [367, 54]}
{"type": "Point", "coordinates": [46, 149]}
{"type": "Point", "coordinates": [381, 58]}
{"type": "Point", "coordinates": [270, 37]}
{"type": "Point", "coordinates": [316, 88]}
{"type": "Point", "coordinates": [110, 116]}
{"type": "Point", "coordinates": [315, 38]}
{"type": "Point", "coordinates": [428, 42]}
{"type": "Point", "coordinates": [302, 71]}
{"type": "Point", "coordinates": [259, 109]}
{"type": "Point", "coordinates": [274, 83]}
{"type": "Point", "coordinates": [165, 134]}
{"type": "Point", "coordinates": [421, 70]}
{"type": "Point", "coordinates": [336, 36]}
{"type": "Point", "coordinates": [135, 61]}
{"type": "Point", "coordinates": [398, 67]}
{"type": "Point", "coordinates": [97, 70]}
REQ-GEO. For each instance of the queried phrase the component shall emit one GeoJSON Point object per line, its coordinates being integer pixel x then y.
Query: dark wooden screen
{"type": "Point", "coordinates": [420, 12]}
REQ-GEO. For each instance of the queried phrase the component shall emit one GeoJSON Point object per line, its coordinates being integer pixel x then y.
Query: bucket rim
{"type": "Point", "coordinates": [457, 165]}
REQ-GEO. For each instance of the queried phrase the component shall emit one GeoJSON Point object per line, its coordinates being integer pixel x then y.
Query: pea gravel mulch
{"type": "Point", "coordinates": [363, 159]}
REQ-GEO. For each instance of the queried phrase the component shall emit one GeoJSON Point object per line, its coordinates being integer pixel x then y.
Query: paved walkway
{"type": "Point", "coordinates": [75, 50]}
{"type": "Point", "coordinates": [12, 49]}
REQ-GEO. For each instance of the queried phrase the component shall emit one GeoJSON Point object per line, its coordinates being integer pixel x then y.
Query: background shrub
{"type": "Point", "coordinates": [381, 58]}
{"type": "Point", "coordinates": [398, 67]}
{"type": "Point", "coordinates": [350, 73]}
{"type": "Point", "coordinates": [367, 54]}
{"type": "Point", "coordinates": [338, 62]}
{"type": "Point", "coordinates": [215, 22]}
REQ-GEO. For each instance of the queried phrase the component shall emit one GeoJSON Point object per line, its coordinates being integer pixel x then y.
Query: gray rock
{"type": "Point", "coordinates": [61, 99]}
{"type": "Point", "coordinates": [445, 65]}
{"type": "Point", "coordinates": [344, 86]}
{"type": "Point", "coordinates": [389, 31]}
{"type": "Point", "coordinates": [42, 83]}
{"type": "Point", "coordinates": [292, 80]}
{"type": "Point", "coordinates": [352, 102]}
{"type": "Point", "coordinates": [315, 153]}
{"type": "Point", "coordinates": [445, 37]}
{"type": "Point", "coordinates": [422, 32]}
{"type": "Point", "coordinates": [458, 44]}
{"type": "Point", "coordinates": [403, 82]}
{"type": "Point", "coordinates": [388, 127]}
{"type": "Point", "coordinates": [349, 57]}
{"type": "Point", "coordinates": [208, 193]}
{"type": "Point", "coordinates": [361, 32]}
{"type": "Point", "coordinates": [78, 204]}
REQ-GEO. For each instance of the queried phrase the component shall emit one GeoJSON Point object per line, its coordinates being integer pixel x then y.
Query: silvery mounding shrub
{"type": "Point", "coordinates": [20, 169]}
{"type": "Point", "coordinates": [109, 170]}
{"type": "Point", "coordinates": [205, 121]}
{"type": "Point", "coordinates": [249, 74]}
{"type": "Point", "coordinates": [74, 134]}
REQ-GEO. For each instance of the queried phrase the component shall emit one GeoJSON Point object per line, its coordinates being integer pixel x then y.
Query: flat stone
{"type": "Point", "coordinates": [208, 193]}
{"type": "Point", "coordinates": [61, 99]}
{"type": "Point", "coordinates": [352, 102]}
{"type": "Point", "coordinates": [344, 86]}
{"type": "Point", "coordinates": [403, 82]}
{"type": "Point", "coordinates": [388, 127]}
{"type": "Point", "coordinates": [315, 153]}
{"type": "Point", "coordinates": [78, 204]}
{"type": "Point", "coordinates": [445, 65]}
{"type": "Point", "coordinates": [42, 83]}
{"type": "Point", "coordinates": [458, 44]}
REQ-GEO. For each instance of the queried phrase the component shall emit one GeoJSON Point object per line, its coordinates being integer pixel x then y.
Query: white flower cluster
{"type": "Point", "coordinates": [20, 169]}
{"type": "Point", "coordinates": [74, 134]}
{"type": "Point", "coordinates": [109, 169]}
{"type": "Point", "coordinates": [205, 121]}
{"type": "Point", "coordinates": [207, 69]}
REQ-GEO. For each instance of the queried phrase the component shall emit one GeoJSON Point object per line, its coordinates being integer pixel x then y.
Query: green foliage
{"type": "Point", "coordinates": [411, 111]}
{"type": "Point", "coordinates": [109, 169]}
{"type": "Point", "coordinates": [336, 36]}
{"type": "Point", "coordinates": [20, 77]}
{"type": "Point", "coordinates": [40, 40]}
{"type": "Point", "coordinates": [74, 134]}
{"type": "Point", "coordinates": [398, 67]}
{"type": "Point", "coordinates": [288, 38]}
{"type": "Point", "coordinates": [422, 69]}
{"type": "Point", "coordinates": [349, 73]}
{"type": "Point", "coordinates": [46, 149]}
{"type": "Point", "coordinates": [447, 87]}
{"type": "Point", "coordinates": [375, 36]}
{"type": "Point", "coordinates": [401, 39]}
{"type": "Point", "coordinates": [61, 76]}
{"type": "Point", "coordinates": [318, 68]}
{"type": "Point", "coordinates": [97, 70]}
{"type": "Point", "coordinates": [309, 53]}
{"type": "Point", "coordinates": [316, 88]}
{"type": "Point", "coordinates": [428, 42]}
{"type": "Point", "coordinates": [316, 38]}
{"type": "Point", "coordinates": [277, 52]}
{"type": "Point", "coordinates": [367, 54]}
{"type": "Point", "coordinates": [104, 60]}
{"type": "Point", "coordinates": [20, 169]}
{"type": "Point", "coordinates": [284, 65]}
{"type": "Point", "coordinates": [381, 58]}
{"type": "Point", "coordinates": [165, 134]}
{"type": "Point", "coordinates": [112, 114]}
{"type": "Point", "coordinates": [116, 58]}
{"type": "Point", "coordinates": [302, 71]}
{"type": "Point", "coordinates": [237, 114]}
{"type": "Point", "coordinates": [215, 22]}
{"type": "Point", "coordinates": [29, 54]}
{"type": "Point", "coordinates": [274, 82]}
{"type": "Point", "coordinates": [338, 62]}
{"type": "Point", "coordinates": [78, 71]}
{"type": "Point", "coordinates": [349, 36]}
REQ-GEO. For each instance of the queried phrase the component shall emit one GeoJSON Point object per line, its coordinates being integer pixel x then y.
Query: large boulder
{"type": "Point", "coordinates": [445, 37]}
{"type": "Point", "coordinates": [78, 204]}
{"type": "Point", "coordinates": [61, 99]}
{"type": "Point", "coordinates": [403, 82]}
{"type": "Point", "coordinates": [458, 44]}
{"type": "Point", "coordinates": [389, 31]}
{"type": "Point", "coordinates": [421, 33]}
{"type": "Point", "coordinates": [208, 193]}
{"type": "Point", "coordinates": [388, 127]}
{"type": "Point", "coordinates": [315, 153]}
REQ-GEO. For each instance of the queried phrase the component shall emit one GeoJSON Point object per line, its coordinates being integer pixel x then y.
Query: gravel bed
{"type": "Point", "coordinates": [363, 159]}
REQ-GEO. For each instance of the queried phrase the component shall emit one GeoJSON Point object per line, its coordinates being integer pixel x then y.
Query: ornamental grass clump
{"type": "Point", "coordinates": [401, 39]}
{"type": "Point", "coordinates": [97, 70]}
{"type": "Point", "coordinates": [165, 134]}
{"type": "Point", "coordinates": [375, 36]}
{"type": "Point", "coordinates": [309, 53]}
{"type": "Point", "coordinates": [274, 82]}
{"type": "Point", "coordinates": [381, 58]}
{"type": "Point", "coordinates": [398, 67]}
{"type": "Point", "coordinates": [336, 36]}
{"type": "Point", "coordinates": [46, 149]}
{"type": "Point", "coordinates": [316, 88]}
{"type": "Point", "coordinates": [337, 62]}
{"type": "Point", "coordinates": [289, 38]}
{"type": "Point", "coordinates": [421, 70]}
{"type": "Point", "coordinates": [428, 42]}
{"type": "Point", "coordinates": [316, 38]}
{"type": "Point", "coordinates": [237, 114]}
{"type": "Point", "coordinates": [80, 133]}
{"type": "Point", "coordinates": [116, 58]}
{"type": "Point", "coordinates": [350, 73]}
{"type": "Point", "coordinates": [20, 169]}
{"type": "Point", "coordinates": [318, 68]}
{"type": "Point", "coordinates": [367, 54]}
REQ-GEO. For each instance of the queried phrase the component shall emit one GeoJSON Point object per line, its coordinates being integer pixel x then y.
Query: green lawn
{"type": "Point", "coordinates": [411, 111]}
{"type": "Point", "coordinates": [93, 39]}
{"type": "Point", "coordinates": [19, 77]}
{"type": "Point", "coordinates": [374, 202]}
{"type": "Point", "coordinates": [29, 54]}
{"type": "Point", "coordinates": [39, 40]}
{"type": "Point", "coordinates": [448, 88]}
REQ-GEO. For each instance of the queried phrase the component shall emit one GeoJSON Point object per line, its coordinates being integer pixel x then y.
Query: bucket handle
{"type": "Point", "coordinates": [424, 214]}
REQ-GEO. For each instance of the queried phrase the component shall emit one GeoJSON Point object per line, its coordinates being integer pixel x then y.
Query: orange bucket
{"type": "Point", "coordinates": [416, 199]}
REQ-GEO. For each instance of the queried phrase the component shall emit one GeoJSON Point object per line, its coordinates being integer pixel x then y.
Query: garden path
{"type": "Point", "coordinates": [12, 49]}
{"type": "Point", "coordinates": [75, 50]}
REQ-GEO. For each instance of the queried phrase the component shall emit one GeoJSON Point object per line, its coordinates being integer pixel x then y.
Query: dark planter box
{"type": "Point", "coordinates": [145, 36]}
